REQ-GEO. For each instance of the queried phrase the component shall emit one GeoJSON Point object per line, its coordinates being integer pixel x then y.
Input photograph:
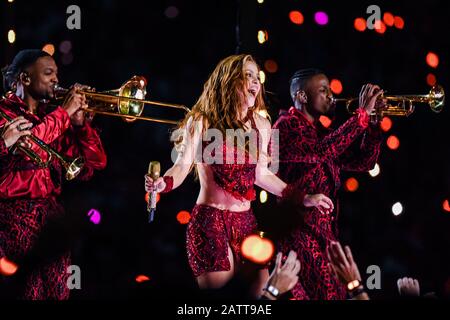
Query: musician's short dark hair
{"type": "Point", "coordinates": [300, 78]}
{"type": "Point", "coordinates": [21, 61]}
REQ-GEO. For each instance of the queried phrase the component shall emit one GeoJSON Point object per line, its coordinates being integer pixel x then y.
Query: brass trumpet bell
{"type": "Point", "coordinates": [403, 105]}
{"type": "Point", "coordinates": [127, 102]}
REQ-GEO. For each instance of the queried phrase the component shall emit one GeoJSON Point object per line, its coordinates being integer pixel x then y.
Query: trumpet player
{"type": "Point", "coordinates": [29, 191]}
{"type": "Point", "coordinates": [311, 158]}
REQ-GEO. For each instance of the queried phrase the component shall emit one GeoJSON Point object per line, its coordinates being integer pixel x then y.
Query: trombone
{"type": "Point", "coordinates": [403, 105]}
{"type": "Point", "coordinates": [127, 102]}
{"type": "Point", "coordinates": [71, 166]}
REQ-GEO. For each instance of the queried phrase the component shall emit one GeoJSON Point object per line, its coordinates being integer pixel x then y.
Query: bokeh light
{"type": "Point", "coordinates": [399, 23]}
{"type": "Point", "coordinates": [142, 278]}
{"type": "Point", "coordinates": [263, 196]}
{"type": "Point", "coordinates": [65, 46]}
{"type": "Point", "coordinates": [67, 58]}
{"type": "Point", "coordinates": [325, 121]}
{"type": "Point", "coordinates": [360, 24]}
{"type": "Point", "coordinates": [271, 66]}
{"type": "Point", "coordinates": [321, 18]}
{"type": "Point", "coordinates": [7, 267]}
{"type": "Point", "coordinates": [386, 124]}
{"type": "Point", "coordinates": [49, 48]}
{"type": "Point", "coordinates": [380, 27]}
{"type": "Point", "coordinates": [351, 185]}
{"type": "Point", "coordinates": [431, 79]}
{"type": "Point", "coordinates": [336, 86]}
{"type": "Point", "coordinates": [183, 217]}
{"type": "Point", "coordinates": [262, 76]}
{"type": "Point", "coordinates": [393, 142]}
{"type": "Point", "coordinates": [296, 17]}
{"type": "Point", "coordinates": [257, 249]}
{"type": "Point", "coordinates": [397, 209]}
{"type": "Point", "coordinates": [375, 171]}
{"type": "Point", "coordinates": [171, 12]}
{"type": "Point", "coordinates": [11, 36]}
{"type": "Point", "coordinates": [388, 19]}
{"type": "Point", "coordinates": [263, 36]}
{"type": "Point", "coordinates": [95, 216]}
{"type": "Point", "coordinates": [446, 206]}
{"type": "Point", "coordinates": [432, 59]}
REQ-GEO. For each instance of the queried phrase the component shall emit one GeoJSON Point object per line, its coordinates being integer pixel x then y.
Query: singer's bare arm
{"type": "Point", "coordinates": [186, 152]}
{"type": "Point", "coordinates": [264, 177]}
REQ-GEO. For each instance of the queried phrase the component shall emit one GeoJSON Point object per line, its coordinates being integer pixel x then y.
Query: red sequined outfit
{"type": "Point", "coordinates": [29, 193]}
{"type": "Point", "coordinates": [211, 230]}
{"type": "Point", "coordinates": [209, 233]}
{"type": "Point", "coordinates": [311, 158]}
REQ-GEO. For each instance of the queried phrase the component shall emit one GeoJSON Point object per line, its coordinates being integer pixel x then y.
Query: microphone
{"type": "Point", "coordinates": [154, 169]}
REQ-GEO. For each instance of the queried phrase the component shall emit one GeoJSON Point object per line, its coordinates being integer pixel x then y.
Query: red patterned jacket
{"type": "Point", "coordinates": [311, 157]}
{"type": "Point", "coordinates": [22, 178]}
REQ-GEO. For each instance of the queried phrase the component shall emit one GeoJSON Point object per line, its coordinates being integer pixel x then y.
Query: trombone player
{"type": "Point", "coordinates": [30, 187]}
{"type": "Point", "coordinates": [311, 158]}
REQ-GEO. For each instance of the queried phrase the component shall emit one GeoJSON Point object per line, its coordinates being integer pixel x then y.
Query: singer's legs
{"type": "Point", "coordinates": [217, 279]}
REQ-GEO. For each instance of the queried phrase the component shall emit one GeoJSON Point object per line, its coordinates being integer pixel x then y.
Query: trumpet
{"type": "Point", "coordinates": [403, 105]}
{"type": "Point", "coordinates": [71, 166]}
{"type": "Point", "coordinates": [127, 102]}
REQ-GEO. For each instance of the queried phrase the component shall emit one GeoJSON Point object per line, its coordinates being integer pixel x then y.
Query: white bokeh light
{"type": "Point", "coordinates": [397, 208]}
{"type": "Point", "coordinates": [375, 171]}
{"type": "Point", "coordinates": [263, 196]}
{"type": "Point", "coordinates": [262, 76]}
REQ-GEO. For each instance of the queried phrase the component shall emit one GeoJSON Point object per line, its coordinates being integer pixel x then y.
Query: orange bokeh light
{"type": "Point", "coordinates": [183, 217]}
{"type": "Point", "coordinates": [142, 278]}
{"type": "Point", "coordinates": [351, 184]}
{"type": "Point", "coordinates": [386, 124]}
{"type": "Point", "coordinates": [432, 59]}
{"type": "Point", "coordinates": [271, 66]}
{"type": "Point", "coordinates": [380, 27]}
{"type": "Point", "coordinates": [360, 24]}
{"type": "Point", "coordinates": [296, 17]}
{"type": "Point", "coordinates": [431, 79]}
{"type": "Point", "coordinates": [7, 267]}
{"type": "Point", "coordinates": [257, 249]}
{"type": "Point", "coordinates": [388, 19]}
{"type": "Point", "coordinates": [399, 23]}
{"type": "Point", "coordinates": [393, 142]}
{"type": "Point", "coordinates": [336, 86]}
{"type": "Point", "coordinates": [446, 206]}
{"type": "Point", "coordinates": [325, 121]}
{"type": "Point", "coordinates": [49, 48]}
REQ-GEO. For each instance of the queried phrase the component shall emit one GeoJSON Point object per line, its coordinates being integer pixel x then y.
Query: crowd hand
{"type": "Point", "coordinates": [408, 287]}
{"type": "Point", "coordinates": [284, 277]}
{"type": "Point", "coordinates": [15, 129]}
{"type": "Point", "coordinates": [320, 201]}
{"type": "Point", "coordinates": [342, 264]}
{"type": "Point", "coordinates": [368, 98]}
{"type": "Point", "coordinates": [158, 185]}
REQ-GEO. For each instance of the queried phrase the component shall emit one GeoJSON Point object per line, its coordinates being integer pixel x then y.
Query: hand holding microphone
{"type": "Point", "coordinates": [153, 184]}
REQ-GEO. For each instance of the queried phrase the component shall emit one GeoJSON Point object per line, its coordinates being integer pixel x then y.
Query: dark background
{"type": "Point", "coordinates": [119, 39]}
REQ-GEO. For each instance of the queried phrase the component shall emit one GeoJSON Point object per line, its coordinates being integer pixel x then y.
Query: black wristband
{"type": "Point", "coordinates": [356, 292]}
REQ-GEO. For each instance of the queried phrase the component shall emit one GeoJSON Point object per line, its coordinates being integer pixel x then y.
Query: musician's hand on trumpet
{"type": "Point", "coordinates": [368, 98]}
{"type": "Point", "coordinates": [15, 129]}
{"type": "Point", "coordinates": [75, 104]}
{"type": "Point", "coordinates": [158, 185]}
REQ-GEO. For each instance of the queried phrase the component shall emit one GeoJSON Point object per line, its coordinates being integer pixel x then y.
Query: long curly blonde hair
{"type": "Point", "coordinates": [223, 94]}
